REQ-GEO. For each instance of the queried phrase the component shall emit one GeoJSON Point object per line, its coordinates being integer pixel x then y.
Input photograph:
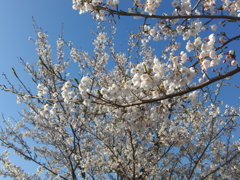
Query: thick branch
{"type": "Point", "coordinates": [107, 102]}
{"type": "Point", "coordinates": [124, 13]}
{"type": "Point", "coordinates": [210, 81]}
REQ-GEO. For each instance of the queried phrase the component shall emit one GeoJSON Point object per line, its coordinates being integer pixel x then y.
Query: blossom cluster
{"type": "Point", "coordinates": [139, 114]}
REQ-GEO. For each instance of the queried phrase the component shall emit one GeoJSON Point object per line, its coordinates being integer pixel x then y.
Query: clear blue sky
{"type": "Point", "coordinates": [16, 27]}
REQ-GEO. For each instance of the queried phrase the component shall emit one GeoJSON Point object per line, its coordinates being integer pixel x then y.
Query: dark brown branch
{"type": "Point", "coordinates": [124, 13]}
{"type": "Point", "coordinates": [197, 4]}
{"type": "Point", "coordinates": [210, 81]}
{"type": "Point", "coordinates": [107, 102]}
{"type": "Point", "coordinates": [230, 40]}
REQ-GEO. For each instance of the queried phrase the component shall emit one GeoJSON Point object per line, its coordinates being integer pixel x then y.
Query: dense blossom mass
{"type": "Point", "coordinates": [138, 114]}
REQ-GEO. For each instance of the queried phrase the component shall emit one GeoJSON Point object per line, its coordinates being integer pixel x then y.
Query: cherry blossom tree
{"type": "Point", "coordinates": [150, 116]}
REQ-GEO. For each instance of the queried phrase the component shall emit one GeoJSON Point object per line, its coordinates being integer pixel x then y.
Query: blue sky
{"type": "Point", "coordinates": [16, 27]}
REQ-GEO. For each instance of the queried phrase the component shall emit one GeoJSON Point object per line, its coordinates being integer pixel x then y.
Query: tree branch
{"type": "Point", "coordinates": [210, 81]}
{"type": "Point", "coordinates": [124, 13]}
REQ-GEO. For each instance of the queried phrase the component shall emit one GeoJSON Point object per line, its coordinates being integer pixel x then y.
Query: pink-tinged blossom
{"type": "Point", "coordinates": [200, 80]}
{"type": "Point", "coordinates": [87, 102]}
{"type": "Point", "coordinates": [222, 39]}
{"type": "Point", "coordinates": [179, 29]}
{"type": "Point", "coordinates": [228, 57]}
{"type": "Point", "coordinates": [184, 70]}
{"type": "Point", "coordinates": [234, 63]}
{"type": "Point", "coordinates": [68, 84]}
{"type": "Point", "coordinates": [81, 87]}
{"type": "Point", "coordinates": [185, 8]}
{"type": "Point", "coordinates": [155, 94]}
{"type": "Point", "coordinates": [175, 60]}
{"type": "Point", "coordinates": [88, 7]}
{"type": "Point", "coordinates": [194, 97]}
{"type": "Point", "coordinates": [231, 52]}
{"type": "Point", "coordinates": [203, 54]}
{"type": "Point", "coordinates": [214, 62]}
{"type": "Point", "coordinates": [104, 91]}
{"type": "Point", "coordinates": [144, 77]}
{"type": "Point", "coordinates": [213, 27]}
{"type": "Point", "coordinates": [189, 46]}
{"type": "Point", "coordinates": [19, 100]}
{"type": "Point", "coordinates": [205, 64]}
{"type": "Point", "coordinates": [211, 38]}
{"type": "Point", "coordinates": [205, 47]}
{"type": "Point", "coordinates": [186, 35]}
{"type": "Point", "coordinates": [212, 54]}
{"type": "Point", "coordinates": [175, 3]}
{"type": "Point", "coordinates": [84, 94]}
{"type": "Point", "coordinates": [86, 81]}
{"type": "Point", "coordinates": [183, 57]}
{"type": "Point", "coordinates": [197, 41]}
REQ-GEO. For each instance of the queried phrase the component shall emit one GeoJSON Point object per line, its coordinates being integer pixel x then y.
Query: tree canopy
{"type": "Point", "coordinates": [139, 113]}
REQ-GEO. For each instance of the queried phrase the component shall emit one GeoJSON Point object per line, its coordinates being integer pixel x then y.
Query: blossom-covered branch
{"type": "Point", "coordinates": [153, 110]}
